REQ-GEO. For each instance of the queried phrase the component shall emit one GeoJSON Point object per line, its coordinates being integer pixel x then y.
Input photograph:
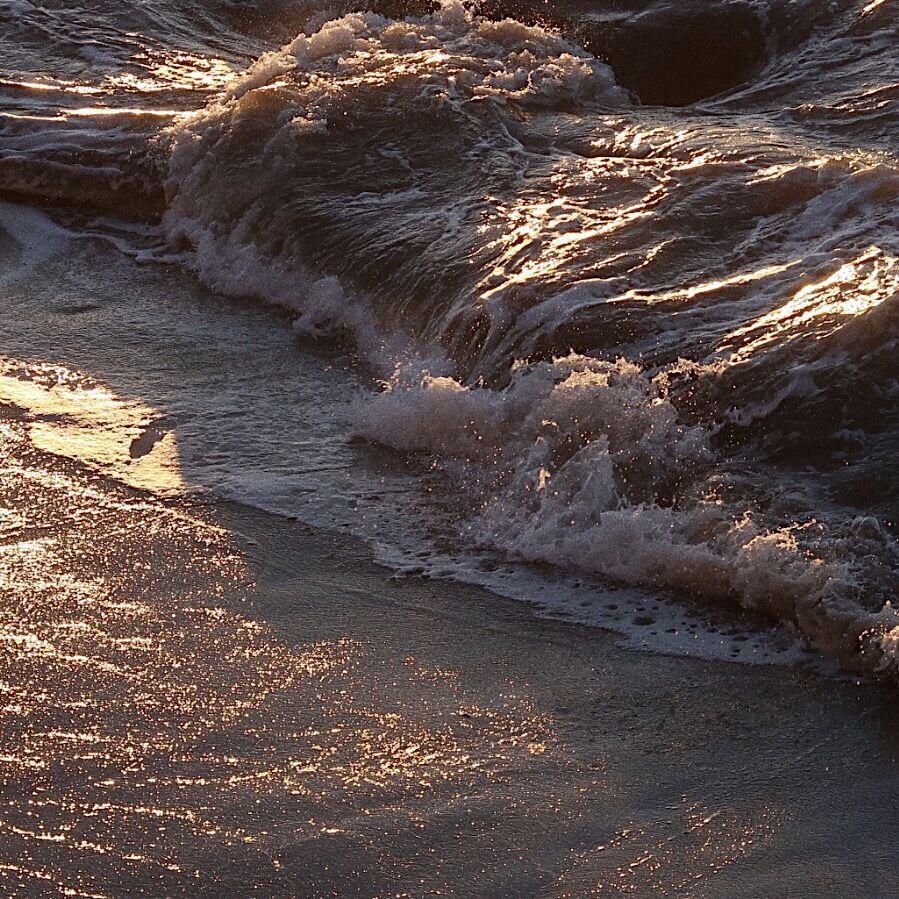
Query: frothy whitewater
{"type": "Point", "coordinates": [626, 273]}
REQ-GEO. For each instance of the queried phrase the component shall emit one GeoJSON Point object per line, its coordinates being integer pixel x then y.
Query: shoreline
{"type": "Point", "coordinates": [219, 395]}
{"type": "Point", "coordinates": [230, 702]}
{"type": "Point", "coordinates": [201, 698]}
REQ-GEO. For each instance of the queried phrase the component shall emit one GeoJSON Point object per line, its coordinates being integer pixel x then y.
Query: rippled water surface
{"type": "Point", "coordinates": [591, 303]}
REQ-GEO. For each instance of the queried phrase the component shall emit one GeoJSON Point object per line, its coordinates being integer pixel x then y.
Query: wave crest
{"type": "Point", "coordinates": [273, 184]}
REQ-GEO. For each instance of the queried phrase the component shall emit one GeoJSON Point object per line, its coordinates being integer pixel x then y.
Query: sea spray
{"type": "Point", "coordinates": [584, 464]}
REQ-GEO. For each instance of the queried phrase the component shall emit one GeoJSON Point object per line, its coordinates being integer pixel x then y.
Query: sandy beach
{"type": "Point", "coordinates": [203, 699]}
{"type": "Point", "coordinates": [449, 449]}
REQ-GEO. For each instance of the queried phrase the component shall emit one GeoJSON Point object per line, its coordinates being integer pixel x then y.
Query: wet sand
{"type": "Point", "coordinates": [203, 699]}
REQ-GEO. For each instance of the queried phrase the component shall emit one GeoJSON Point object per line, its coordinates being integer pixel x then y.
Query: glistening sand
{"type": "Point", "coordinates": [204, 699]}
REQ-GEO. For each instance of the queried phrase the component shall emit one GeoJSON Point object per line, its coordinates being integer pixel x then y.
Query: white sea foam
{"type": "Point", "coordinates": [452, 57]}
{"type": "Point", "coordinates": [37, 239]}
{"type": "Point", "coordinates": [466, 55]}
{"type": "Point", "coordinates": [584, 464]}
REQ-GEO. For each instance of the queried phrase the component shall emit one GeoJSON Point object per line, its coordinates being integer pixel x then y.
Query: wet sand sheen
{"type": "Point", "coordinates": [208, 700]}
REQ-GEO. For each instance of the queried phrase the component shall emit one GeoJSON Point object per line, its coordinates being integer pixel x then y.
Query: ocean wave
{"type": "Point", "coordinates": [485, 188]}
{"type": "Point", "coordinates": [586, 465]}
{"type": "Point", "coordinates": [459, 194]}
{"type": "Point", "coordinates": [407, 102]}
{"type": "Point", "coordinates": [657, 345]}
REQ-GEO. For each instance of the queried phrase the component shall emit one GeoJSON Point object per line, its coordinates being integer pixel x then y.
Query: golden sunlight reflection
{"type": "Point", "coordinates": [153, 721]}
{"type": "Point", "coordinates": [97, 111]}
{"type": "Point", "coordinates": [70, 415]}
{"type": "Point", "coordinates": [706, 288]}
{"type": "Point", "coordinates": [551, 235]}
{"type": "Point", "coordinates": [53, 86]}
{"type": "Point", "coordinates": [150, 76]}
{"type": "Point", "coordinates": [872, 6]}
{"type": "Point", "coordinates": [822, 307]}
{"type": "Point", "coordinates": [540, 237]}
{"type": "Point", "coordinates": [172, 70]}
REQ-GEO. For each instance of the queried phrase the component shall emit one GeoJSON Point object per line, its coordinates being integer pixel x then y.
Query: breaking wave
{"type": "Point", "coordinates": [628, 278]}
{"type": "Point", "coordinates": [586, 464]}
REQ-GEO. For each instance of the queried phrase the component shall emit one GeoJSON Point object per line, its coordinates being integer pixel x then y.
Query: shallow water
{"type": "Point", "coordinates": [187, 393]}
{"type": "Point", "coordinates": [201, 699]}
